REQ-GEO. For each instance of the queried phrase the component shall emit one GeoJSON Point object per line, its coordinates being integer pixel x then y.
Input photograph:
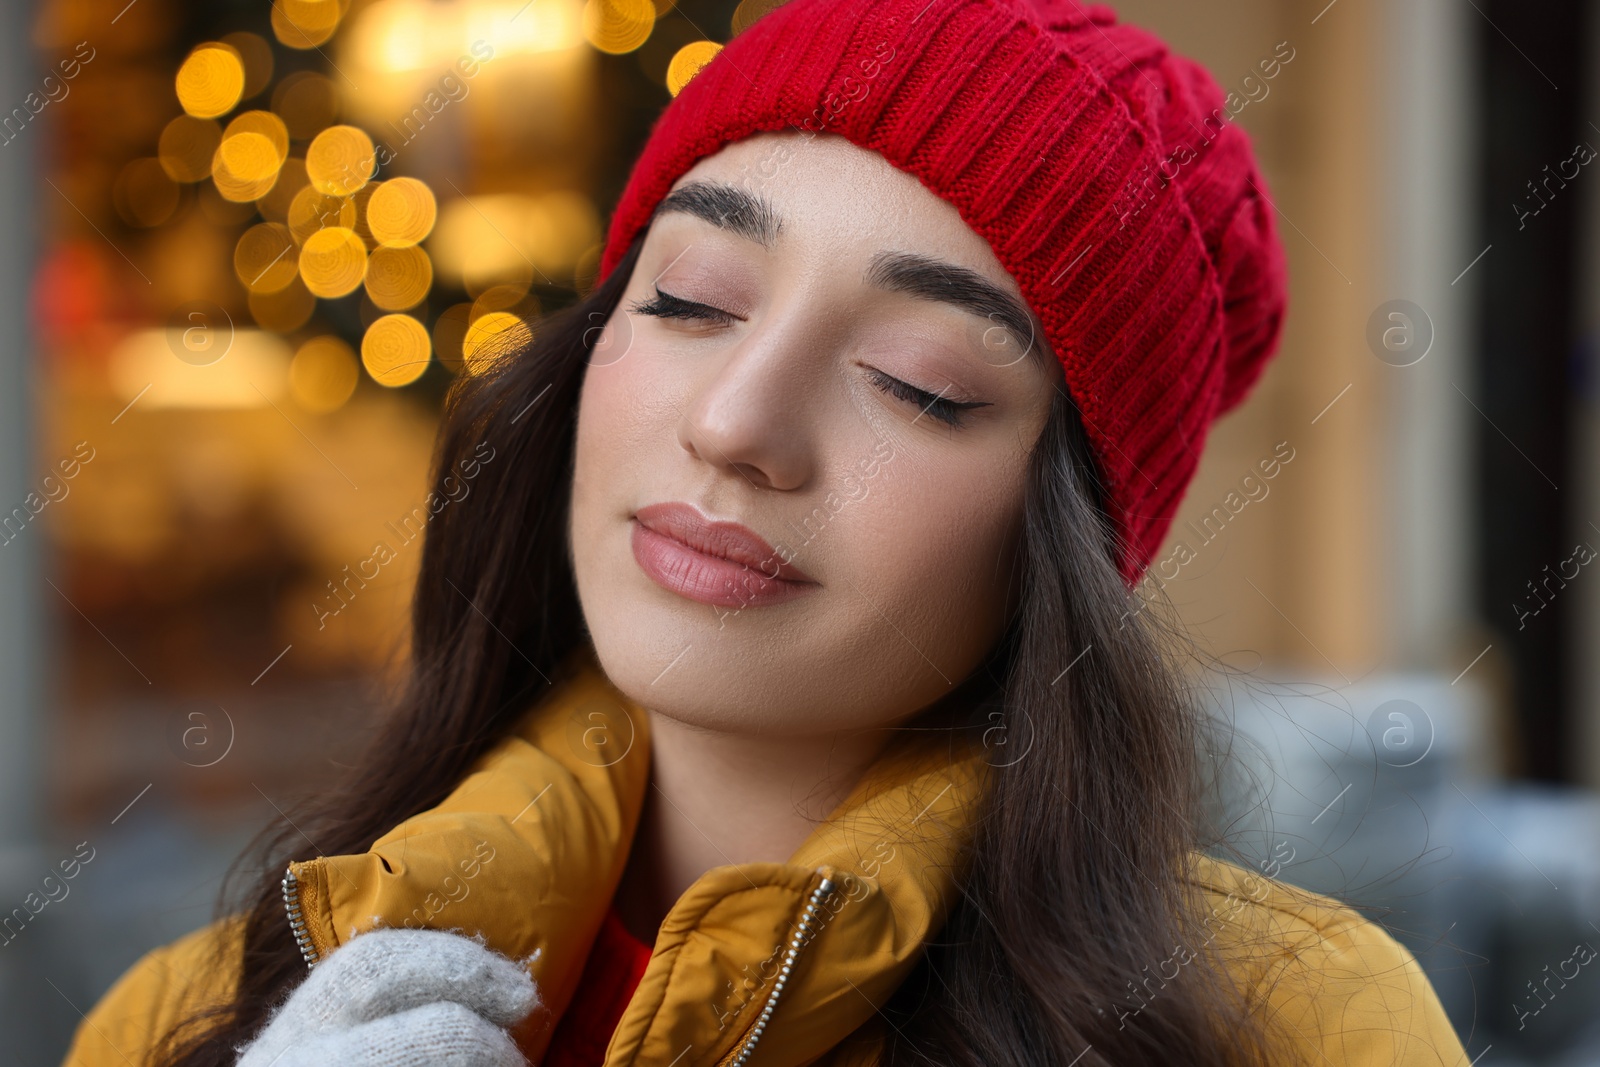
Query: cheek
{"type": "Point", "coordinates": [594, 403]}
{"type": "Point", "coordinates": [600, 448]}
{"type": "Point", "coordinates": [623, 451]}
{"type": "Point", "coordinates": [927, 548]}
{"type": "Point", "coordinates": [935, 538]}
{"type": "Point", "coordinates": [615, 423]}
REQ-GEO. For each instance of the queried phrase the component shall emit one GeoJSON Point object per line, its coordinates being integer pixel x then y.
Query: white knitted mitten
{"type": "Point", "coordinates": [400, 998]}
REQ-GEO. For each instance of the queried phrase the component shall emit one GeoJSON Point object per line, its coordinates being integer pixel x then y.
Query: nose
{"type": "Point", "coordinates": [755, 413]}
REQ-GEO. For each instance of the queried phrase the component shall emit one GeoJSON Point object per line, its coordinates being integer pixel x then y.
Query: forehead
{"type": "Point", "coordinates": [833, 198]}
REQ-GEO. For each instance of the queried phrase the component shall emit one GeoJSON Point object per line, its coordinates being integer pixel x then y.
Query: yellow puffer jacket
{"type": "Point", "coordinates": [530, 846]}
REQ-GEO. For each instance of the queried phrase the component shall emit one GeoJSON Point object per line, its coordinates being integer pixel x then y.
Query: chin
{"type": "Point", "coordinates": [743, 680]}
{"type": "Point", "coordinates": [686, 673]}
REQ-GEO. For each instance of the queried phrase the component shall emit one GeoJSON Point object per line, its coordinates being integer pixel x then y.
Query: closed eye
{"type": "Point", "coordinates": [951, 412]}
{"type": "Point", "coordinates": [667, 306]}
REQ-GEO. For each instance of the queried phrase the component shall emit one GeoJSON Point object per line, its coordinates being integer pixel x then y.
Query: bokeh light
{"type": "Point", "coordinates": [268, 126]}
{"type": "Point", "coordinates": [246, 166]}
{"type": "Point", "coordinates": [323, 374]}
{"type": "Point", "coordinates": [395, 350]}
{"type": "Point", "coordinates": [401, 213]}
{"type": "Point", "coordinates": [264, 258]}
{"type": "Point", "coordinates": [251, 374]}
{"type": "Point", "coordinates": [340, 160]}
{"type": "Point", "coordinates": [211, 80]}
{"type": "Point", "coordinates": [187, 147]}
{"type": "Point", "coordinates": [501, 238]}
{"type": "Point", "coordinates": [247, 161]}
{"type": "Point", "coordinates": [305, 24]}
{"type": "Point", "coordinates": [307, 102]}
{"type": "Point", "coordinates": [618, 26]}
{"type": "Point", "coordinates": [687, 61]}
{"type": "Point", "coordinates": [333, 261]}
{"type": "Point", "coordinates": [398, 278]}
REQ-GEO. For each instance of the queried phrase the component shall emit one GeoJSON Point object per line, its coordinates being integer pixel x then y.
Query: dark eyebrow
{"type": "Point", "coordinates": [751, 216]}
{"type": "Point", "coordinates": [726, 206]}
{"type": "Point", "coordinates": [935, 279]}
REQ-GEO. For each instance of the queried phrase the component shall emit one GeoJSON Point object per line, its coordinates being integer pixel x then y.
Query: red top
{"type": "Point", "coordinates": [615, 965]}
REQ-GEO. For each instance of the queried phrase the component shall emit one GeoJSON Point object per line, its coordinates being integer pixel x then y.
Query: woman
{"type": "Point", "coordinates": [776, 696]}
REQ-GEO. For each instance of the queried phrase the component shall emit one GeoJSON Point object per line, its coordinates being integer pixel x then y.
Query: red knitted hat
{"type": "Point", "coordinates": [1103, 169]}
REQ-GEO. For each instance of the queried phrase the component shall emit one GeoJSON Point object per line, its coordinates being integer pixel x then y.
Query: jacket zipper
{"type": "Point", "coordinates": [739, 1057]}
{"type": "Point", "coordinates": [297, 922]}
{"type": "Point", "coordinates": [803, 932]}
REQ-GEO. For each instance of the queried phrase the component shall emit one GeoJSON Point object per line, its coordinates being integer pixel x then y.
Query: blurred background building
{"type": "Point", "coordinates": [248, 244]}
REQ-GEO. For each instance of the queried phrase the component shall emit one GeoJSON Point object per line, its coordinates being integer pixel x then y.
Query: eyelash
{"type": "Point", "coordinates": [950, 412]}
{"type": "Point", "coordinates": [667, 306]}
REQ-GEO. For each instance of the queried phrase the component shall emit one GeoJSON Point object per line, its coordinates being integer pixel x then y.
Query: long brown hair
{"type": "Point", "coordinates": [1076, 889]}
{"type": "Point", "coordinates": [1076, 895]}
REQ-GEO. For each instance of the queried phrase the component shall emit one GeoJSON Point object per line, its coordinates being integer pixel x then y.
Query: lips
{"type": "Point", "coordinates": [712, 561]}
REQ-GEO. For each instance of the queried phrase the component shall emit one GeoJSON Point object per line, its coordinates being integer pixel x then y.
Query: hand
{"type": "Point", "coordinates": [400, 998]}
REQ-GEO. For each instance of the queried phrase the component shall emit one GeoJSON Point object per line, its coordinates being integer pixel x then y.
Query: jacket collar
{"type": "Point", "coordinates": [529, 847]}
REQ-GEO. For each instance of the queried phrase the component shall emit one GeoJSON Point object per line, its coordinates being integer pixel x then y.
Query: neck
{"type": "Point", "coordinates": [718, 798]}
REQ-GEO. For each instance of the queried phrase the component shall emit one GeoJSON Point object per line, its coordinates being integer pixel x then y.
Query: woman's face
{"type": "Point", "coordinates": [815, 347]}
